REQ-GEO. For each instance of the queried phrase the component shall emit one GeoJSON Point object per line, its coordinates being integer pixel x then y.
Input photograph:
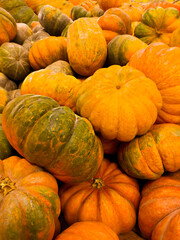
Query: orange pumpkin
{"type": "Point", "coordinates": [110, 197]}
{"type": "Point", "coordinates": [134, 10]}
{"type": "Point", "coordinates": [175, 38]}
{"type": "Point", "coordinates": [106, 4]}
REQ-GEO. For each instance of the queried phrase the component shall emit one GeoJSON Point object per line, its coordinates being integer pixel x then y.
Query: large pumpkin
{"type": "Point", "coordinates": [120, 102]}
{"type": "Point", "coordinates": [150, 155]}
{"type": "Point", "coordinates": [29, 199]}
{"type": "Point", "coordinates": [110, 197]}
{"type": "Point", "coordinates": [159, 210]}
{"type": "Point", "coordinates": [53, 137]}
{"type": "Point", "coordinates": [86, 46]}
{"type": "Point", "coordinates": [162, 64]}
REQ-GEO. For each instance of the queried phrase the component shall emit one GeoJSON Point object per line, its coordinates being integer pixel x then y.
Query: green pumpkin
{"type": "Point", "coordinates": [19, 10]}
{"type": "Point", "coordinates": [79, 12]}
{"type": "Point", "coordinates": [53, 20]}
{"type": "Point", "coordinates": [52, 137]}
{"type": "Point", "coordinates": [14, 61]}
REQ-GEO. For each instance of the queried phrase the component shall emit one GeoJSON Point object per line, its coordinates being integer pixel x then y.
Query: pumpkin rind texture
{"type": "Point", "coordinates": [86, 46]}
{"type": "Point", "coordinates": [111, 100]}
{"type": "Point", "coordinates": [29, 199]}
{"type": "Point", "coordinates": [66, 142]}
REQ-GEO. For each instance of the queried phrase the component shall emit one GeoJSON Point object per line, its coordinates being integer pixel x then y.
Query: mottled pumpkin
{"type": "Point", "coordinates": [88, 230]}
{"type": "Point", "coordinates": [157, 25]}
{"type": "Point", "coordinates": [61, 66]}
{"type": "Point", "coordinates": [159, 210]}
{"type": "Point", "coordinates": [110, 197]}
{"type": "Point", "coordinates": [163, 4]}
{"type": "Point", "coordinates": [150, 155]}
{"type": "Point", "coordinates": [53, 137]}
{"type": "Point", "coordinates": [106, 4]}
{"type": "Point", "coordinates": [86, 46]}
{"type": "Point", "coordinates": [112, 100]}
{"type": "Point", "coordinates": [134, 9]}
{"type": "Point", "coordinates": [53, 20]}
{"type": "Point", "coordinates": [54, 48]}
{"type": "Point", "coordinates": [78, 12]}
{"type": "Point", "coordinates": [3, 98]}
{"type": "Point", "coordinates": [29, 199]}
{"type": "Point", "coordinates": [175, 38]}
{"type": "Point", "coordinates": [8, 27]}
{"type": "Point", "coordinates": [23, 32]}
{"type": "Point", "coordinates": [6, 83]}
{"type": "Point", "coordinates": [59, 86]}
{"type": "Point", "coordinates": [165, 72]}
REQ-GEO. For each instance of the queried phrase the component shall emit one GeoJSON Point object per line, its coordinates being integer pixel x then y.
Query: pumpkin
{"type": "Point", "coordinates": [59, 86]}
{"type": "Point", "coordinates": [121, 48]}
{"type": "Point", "coordinates": [53, 20]}
{"type": "Point", "coordinates": [106, 4]}
{"type": "Point", "coordinates": [165, 72]}
{"type": "Point", "coordinates": [78, 12]}
{"type": "Point", "coordinates": [8, 27]}
{"type": "Point", "coordinates": [159, 210]}
{"type": "Point", "coordinates": [112, 100]}
{"type": "Point", "coordinates": [175, 38]}
{"type": "Point", "coordinates": [87, 230]}
{"type": "Point", "coordinates": [110, 197]}
{"type": "Point", "coordinates": [30, 204]}
{"type": "Point", "coordinates": [4, 98]}
{"type": "Point", "coordinates": [23, 32]}
{"type": "Point", "coordinates": [134, 10]}
{"type": "Point", "coordinates": [6, 150]}
{"type": "Point", "coordinates": [114, 22]}
{"type": "Point", "coordinates": [37, 126]}
{"type": "Point", "coordinates": [163, 4]}
{"type": "Point", "coordinates": [19, 10]}
{"type": "Point", "coordinates": [61, 66]}
{"type": "Point", "coordinates": [86, 46]}
{"type": "Point", "coordinates": [14, 62]}
{"type": "Point", "coordinates": [54, 48]}
{"type": "Point", "coordinates": [157, 25]}
{"type": "Point", "coordinates": [6, 83]}
{"type": "Point", "coordinates": [150, 155]}
{"type": "Point", "coordinates": [14, 93]}
{"type": "Point", "coordinates": [109, 146]}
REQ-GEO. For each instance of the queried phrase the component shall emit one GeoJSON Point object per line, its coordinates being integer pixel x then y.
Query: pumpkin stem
{"type": "Point", "coordinates": [6, 186]}
{"type": "Point", "coordinates": [97, 183]}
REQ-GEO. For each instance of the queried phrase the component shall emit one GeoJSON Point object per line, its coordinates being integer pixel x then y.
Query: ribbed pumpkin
{"type": "Point", "coordinates": [23, 32]}
{"type": "Point", "coordinates": [175, 38]}
{"type": "Point", "coordinates": [121, 48]}
{"type": "Point", "coordinates": [134, 10]}
{"type": "Point", "coordinates": [29, 199]}
{"type": "Point", "coordinates": [6, 83]}
{"type": "Point", "coordinates": [59, 86]}
{"type": "Point", "coordinates": [86, 46]}
{"type": "Point", "coordinates": [114, 22]}
{"type": "Point", "coordinates": [46, 51]}
{"type": "Point", "coordinates": [88, 230]}
{"type": "Point", "coordinates": [150, 155]}
{"type": "Point", "coordinates": [120, 102]}
{"type": "Point", "coordinates": [8, 27]}
{"type": "Point", "coordinates": [53, 20]}
{"type": "Point", "coordinates": [14, 61]}
{"type": "Point", "coordinates": [163, 4]}
{"type": "Point", "coordinates": [159, 210]}
{"type": "Point", "coordinates": [162, 64]}
{"type": "Point", "coordinates": [52, 137]}
{"type": "Point", "coordinates": [157, 25]}
{"type": "Point", "coordinates": [106, 4]}
{"type": "Point", "coordinates": [110, 197]}
{"type": "Point", "coordinates": [78, 12]}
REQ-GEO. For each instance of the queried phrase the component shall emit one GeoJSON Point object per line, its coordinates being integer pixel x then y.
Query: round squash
{"type": "Point", "coordinates": [106, 4]}
{"type": "Point", "coordinates": [120, 102]}
{"type": "Point", "coordinates": [134, 10]}
{"type": "Point", "coordinates": [110, 197]}
{"type": "Point", "coordinates": [159, 210]}
{"type": "Point", "coordinates": [175, 38]}
{"type": "Point", "coordinates": [150, 155]}
{"type": "Point", "coordinates": [6, 83]}
{"type": "Point", "coordinates": [23, 32]}
{"type": "Point", "coordinates": [61, 66]}
{"type": "Point", "coordinates": [79, 11]}
{"type": "Point", "coordinates": [29, 199]}
{"type": "Point", "coordinates": [37, 126]}
{"type": "Point", "coordinates": [86, 46]}
{"type": "Point", "coordinates": [3, 98]}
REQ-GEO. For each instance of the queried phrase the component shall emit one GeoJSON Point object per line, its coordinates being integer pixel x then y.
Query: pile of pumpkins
{"type": "Point", "coordinates": [89, 120]}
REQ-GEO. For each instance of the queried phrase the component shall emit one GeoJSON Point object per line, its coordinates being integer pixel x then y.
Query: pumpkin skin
{"type": "Point", "coordinates": [54, 48]}
{"type": "Point", "coordinates": [78, 12]}
{"type": "Point", "coordinates": [86, 46]}
{"type": "Point", "coordinates": [163, 4]}
{"type": "Point", "coordinates": [106, 4]}
{"type": "Point", "coordinates": [4, 98]}
{"type": "Point", "coordinates": [53, 20]}
{"type": "Point", "coordinates": [88, 230]}
{"type": "Point", "coordinates": [157, 25]}
{"type": "Point", "coordinates": [159, 210]}
{"type": "Point", "coordinates": [67, 144]}
{"type": "Point", "coordinates": [36, 191]}
{"type": "Point", "coordinates": [61, 66]}
{"type": "Point", "coordinates": [115, 91]}
{"type": "Point", "coordinates": [8, 27]}
{"type": "Point", "coordinates": [6, 83]}
{"type": "Point", "coordinates": [150, 155]}
{"type": "Point", "coordinates": [23, 32]}
{"type": "Point", "coordinates": [175, 38]}
{"type": "Point", "coordinates": [134, 10]}
{"type": "Point", "coordinates": [59, 86]}
{"type": "Point", "coordinates": [110, 197]}
{"type": "Point", "coordinates": [121, 48]}
{"type": "Point", "coordinates": [14, 62]}
{"type": "Point", "coordinates": [165, 73]}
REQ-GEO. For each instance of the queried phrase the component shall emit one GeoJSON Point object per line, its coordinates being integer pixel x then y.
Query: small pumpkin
{"type": "Point", "coordinates": [37, 126]}
{"type": "Point", "coordinates": [6, 83]}
{"type": "Point", "coordinates": [110, 197]}
{"type": "Point", "coordinates": [61, 66]}
{"type": "Point", "coordinates": [23, 32]}
{"type": "Point", "coordinates": [29, 199]}
{"type": "Point", "coordinates": [54, 48]}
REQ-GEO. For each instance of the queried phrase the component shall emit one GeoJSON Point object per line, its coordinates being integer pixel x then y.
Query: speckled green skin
{"type": "Point", "coordinates": [53, 137]}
